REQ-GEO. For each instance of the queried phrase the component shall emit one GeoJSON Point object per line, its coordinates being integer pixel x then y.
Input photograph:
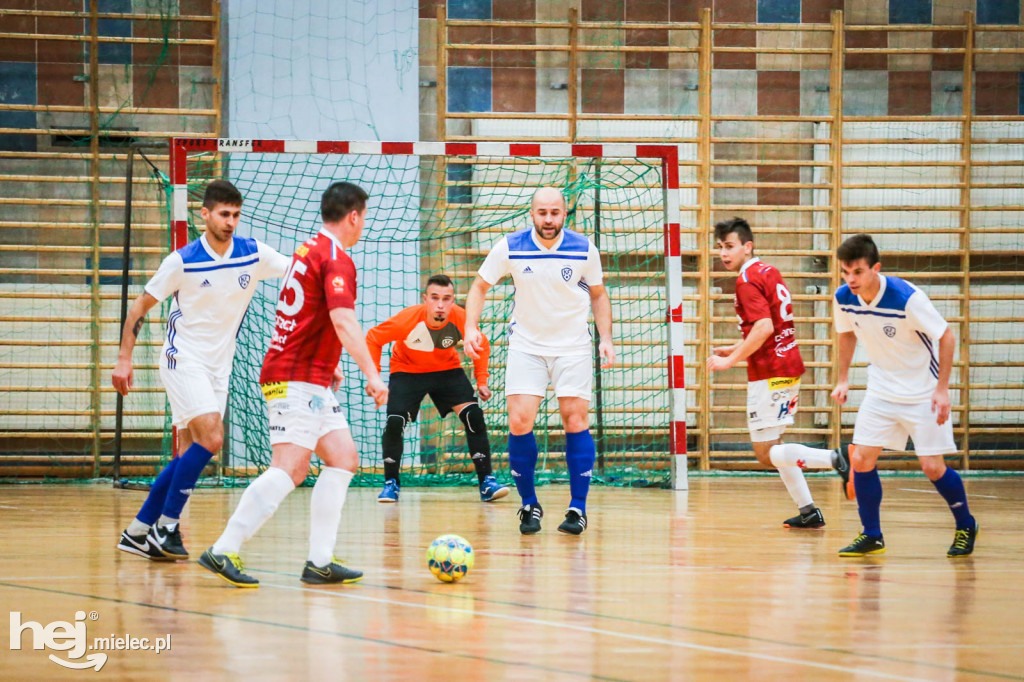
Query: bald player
{"type": "Point", "coordinates": [558, 281]}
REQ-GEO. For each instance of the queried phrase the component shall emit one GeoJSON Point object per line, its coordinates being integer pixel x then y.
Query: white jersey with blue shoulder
{"type": "Point", "coordinates": [900, 330]}
{"type": "Point", "coordinates": [211, 294]}
{"type": "Point", "coordinates": [552, 290]}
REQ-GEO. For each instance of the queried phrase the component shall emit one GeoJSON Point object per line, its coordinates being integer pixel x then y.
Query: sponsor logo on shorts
{"type": "Point", "coordinates": [316, 404]}
{"type": "Point", "coordinates": [275, 390]}
{"type": "Point", "coordinates": [788, 408]}
{"type": "Point", "coordinates": [783, 382]}
{"type": "Point", "coordinates": [243, 281]}
{"type": "Point", "coordinates": [752, 415]}
{"type": "Point", "coordinates": [274, 427]}
{"type": "Point", "coordinates": [336, 409]}
{"type": "Point", "coordinates": [889, 330]}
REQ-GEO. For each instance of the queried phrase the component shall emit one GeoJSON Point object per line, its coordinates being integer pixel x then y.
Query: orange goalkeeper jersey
{"type": "Point", "coordinates": [421, 348]}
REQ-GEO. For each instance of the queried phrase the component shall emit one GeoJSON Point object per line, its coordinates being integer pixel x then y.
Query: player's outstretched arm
{"type": "Point", "coordinates": [602, 307]}
{"type": "Point", "coordinates": [346, 326]}
{"type": "Point", "coordinates": [122, 376]}
{"type": "Point", "coordinates": [759, 333]}
{"type": "Point", "coordinates": [940, 399]}
{"type": "Point", "coordinates": [847, 344]}
{"type": "Point", "coordinates": [472, 338]}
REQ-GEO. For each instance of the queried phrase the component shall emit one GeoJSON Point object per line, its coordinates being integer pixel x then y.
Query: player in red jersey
{"type": "Point", "coordinates": [315, 318]}
{"type": "Point", "coordinates": [424, 362]}
{"type": "Point", "coordinates": [774, 367]}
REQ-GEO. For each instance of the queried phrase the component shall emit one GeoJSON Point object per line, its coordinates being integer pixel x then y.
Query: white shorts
{"type": "Point", "coordinates": [570, 375]}
{"type": "Point", "coordinates": [883, 423]}
{"type": "Point", "coordinates": [771, 404]}
{"type": "Point", "coordinates": [193, 391]}
{"type": "Point", "coordinates": [302, 413]}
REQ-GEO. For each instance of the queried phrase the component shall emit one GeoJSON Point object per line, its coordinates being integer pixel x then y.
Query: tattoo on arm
{"type": "Point", "coordinates": [137, 327]}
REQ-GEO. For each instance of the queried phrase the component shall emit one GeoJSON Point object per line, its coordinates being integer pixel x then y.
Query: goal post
{"type": "Point", "coordinates": [438, 207]}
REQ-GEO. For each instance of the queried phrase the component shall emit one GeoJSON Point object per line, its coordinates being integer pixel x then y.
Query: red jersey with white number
{"type": "Point", "coordinates": [304, 345]}
{"type": "Point", "coordinates": [762, 294]}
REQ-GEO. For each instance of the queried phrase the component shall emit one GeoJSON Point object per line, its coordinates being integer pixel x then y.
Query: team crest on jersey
{"type": "Point", "coordinates": [447, 342]}
{"type": "Point", "coordinates": [243, 281]}
{"type": "Point", "coordinates": [566, 273]}
{"type": "Point", "coordinates": [889, 330]}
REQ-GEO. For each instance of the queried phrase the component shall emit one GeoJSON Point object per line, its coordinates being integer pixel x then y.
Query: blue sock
{"type": "Point", "coordinates": [154, 503]}
{"type": "Point", "coordinates": [579, 456]}
{"type": "Point", "coordinates": [190, 468]}
{"type": "Point", "coordinates": [951, 487]}
{"type": "Point", "coordinates": [522, 461]}
{"type": "Point", "coordinates": [869, 499]}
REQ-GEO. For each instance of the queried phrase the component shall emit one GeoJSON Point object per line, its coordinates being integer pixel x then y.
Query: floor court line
{"type": "Point", "coordinates": [287, 626]}
{"type": "Point", "coordinates": [682, 628]}
{"type": "Point", "coordinates": [620, 635]}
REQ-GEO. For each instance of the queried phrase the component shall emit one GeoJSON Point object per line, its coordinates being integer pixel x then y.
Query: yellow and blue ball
{"type": "Point", "coordinates": [449, 558]}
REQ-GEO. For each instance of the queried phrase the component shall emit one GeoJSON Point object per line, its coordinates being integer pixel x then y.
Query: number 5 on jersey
{"type": "Point", "coordinates": [291, 283]}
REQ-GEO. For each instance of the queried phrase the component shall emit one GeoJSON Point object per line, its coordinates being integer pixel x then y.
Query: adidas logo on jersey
{"type": "Point", "coordinates": [206, 283]}
{"type": "Point", "coordinates": [528, 270]}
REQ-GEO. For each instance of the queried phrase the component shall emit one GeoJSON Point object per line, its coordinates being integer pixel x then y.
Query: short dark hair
{"type": "Point", "coordinates": [340, 199]}
{"type": "Point", "coordinates": [856, 247]}
{"type": "Point", "coordinates": [440, 280]}
{"type": "Point", "coordinates": [221, 192]}
{"type": "Point", "coordinates": [738, 225]}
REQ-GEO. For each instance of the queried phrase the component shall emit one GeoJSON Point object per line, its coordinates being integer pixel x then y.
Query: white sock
{"type": "Point", "coordinates": [796, 455]}
{"type": "Point", "coordinates": [258, 503]}
{"type": "Point", "coordinates": [166, 520]}
{"type": "Point", "coordinates": [136, 528]}
{"type": "Point", "coordinates": [325, 513]}
{"type": "Point", "coordinates": [793, 477]}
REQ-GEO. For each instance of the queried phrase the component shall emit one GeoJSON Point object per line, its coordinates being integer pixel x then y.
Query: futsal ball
{"type": "Point", "coordinates": [449, 558]}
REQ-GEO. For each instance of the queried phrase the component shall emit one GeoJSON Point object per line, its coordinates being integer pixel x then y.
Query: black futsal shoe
{"type": "Point", "coordinates": [575, 522]}
{"type": "Point", "coordinates": [963, 542]}
{"type": "Point", "coordinates": [529, 519]}
{"type": "Point", "coordinates": [864, 545]}
{"type": "Point", "coordinates": [841, 463]}
{"type": "Point", "coordinates": [167, 539]}
{"type": "Point", "coordinates": [815, 519]}
{"type": "Point", "coordinates": [332, 573]}
{"type": "Point", "coordinates": [228, 567]}
{"type": "Point", "coordinates": [141, 546]}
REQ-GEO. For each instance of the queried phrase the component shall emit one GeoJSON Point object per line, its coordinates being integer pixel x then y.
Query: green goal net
{"type": "Point", "coordinates": [431, 214]}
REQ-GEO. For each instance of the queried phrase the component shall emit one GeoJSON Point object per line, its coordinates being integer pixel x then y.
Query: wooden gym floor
{"type": "Point", "coordinates": [703, 585]}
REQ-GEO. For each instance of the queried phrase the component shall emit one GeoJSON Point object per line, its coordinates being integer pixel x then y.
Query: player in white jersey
{"type": "Point", "coordinates": [212, 280]}
{"type": "Point", "coordinates": [558, 280]}
{"type": "Point", "coordinates": [907, 390]}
